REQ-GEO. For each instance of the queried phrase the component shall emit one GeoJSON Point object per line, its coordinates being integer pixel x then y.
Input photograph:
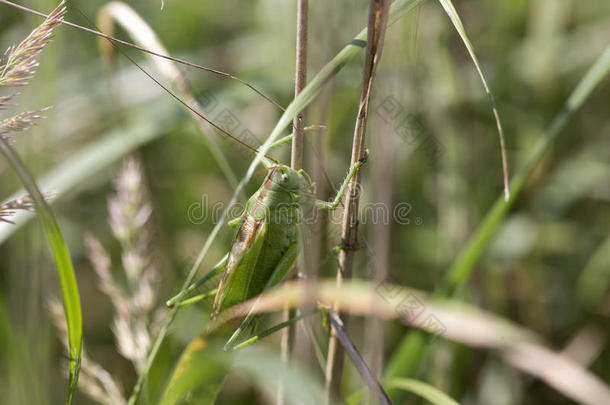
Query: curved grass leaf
{"type": "Point", "coordinates": [61, 255]}
{"type": "Point", "coordinates": [410, 351]}
{"type": "Point", "coordinates": [424, 390]}
{"type": "Point", "coordinates": [398, 9]}
{"type": "Point", "coordinates": [199, 366]}
{"type": "Point", "coordinates": [463, 266]}
{"type": "Point", "coordinates": [428, 392]}
{"type": "Point", "coordinates": [202, 368]}
{"type": "Point", "coordinates": [457, 23]}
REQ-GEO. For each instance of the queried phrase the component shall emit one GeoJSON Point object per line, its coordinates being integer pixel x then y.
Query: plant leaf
{"type": "Point", "coordinates": [61, 255]}
{"type": "Point", "coordinates": [203, 366]}
{"type": "Point", "coordinates": [424, 390]}
{"type": "Point", "coordinates": [199, 365]}
{"type": "Point", "coordinates": [457, 23]}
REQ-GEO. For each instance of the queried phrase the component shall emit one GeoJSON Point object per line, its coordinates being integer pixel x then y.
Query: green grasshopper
{"type": "Point", "coordinates": [266, 243]}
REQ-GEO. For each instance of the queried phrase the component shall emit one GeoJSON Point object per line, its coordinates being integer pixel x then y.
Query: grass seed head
{"type": "Point", "coordinates": [18, 64]}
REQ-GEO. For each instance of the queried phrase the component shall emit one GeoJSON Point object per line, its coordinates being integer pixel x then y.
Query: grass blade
{"type": "Point", "coordinates": [203, 366]}
{"type": "Point", "coordinates": [197, 366]}
{"type": "Point", "coordinates": [462, 267]}
{"type": "Point", "coordinates": [61, 255]}
{"type": "Point", "coordinates": [457, 23]}
{"type": "Point", "coordinates": [424, 390]}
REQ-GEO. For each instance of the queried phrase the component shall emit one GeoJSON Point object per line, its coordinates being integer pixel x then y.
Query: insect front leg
{"type": "Point", "coordinates": [197, 298]}
{"type": "Point", "coordinates": [319, 309]}
{"type": "Point", "coordinates": [332, 205]}
{"type": "Point", "coordinates": [217, 269]}
{"type": "Point", "coordinates": [265, 333]}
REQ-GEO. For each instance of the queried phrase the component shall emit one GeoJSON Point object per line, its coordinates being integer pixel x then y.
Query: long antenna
{"type": "Point", "coordinates": [142, 49]}
{"type": "Point", "coordinates": [113, 41]}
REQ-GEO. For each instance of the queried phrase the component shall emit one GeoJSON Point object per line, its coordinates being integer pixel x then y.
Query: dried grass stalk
{"type": "Point", "coordinates": [7, 209]}
{"type": "Point", "coordinates": [21, 122]}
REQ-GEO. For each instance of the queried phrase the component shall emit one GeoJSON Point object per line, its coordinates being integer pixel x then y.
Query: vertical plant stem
{"type": "Point", "coordinates": [298, 123]}
{"type": "Point", "coordinates": [378, 12]}
{"type": "Point", "coordinates": [296, 160]}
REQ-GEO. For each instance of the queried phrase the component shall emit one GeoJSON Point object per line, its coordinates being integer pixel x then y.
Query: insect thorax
{"type": "Point", "coordinates": [278, 199]}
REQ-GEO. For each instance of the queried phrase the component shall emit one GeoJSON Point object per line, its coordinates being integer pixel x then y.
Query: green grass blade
{"type": "Point", "coordinates": [462, 268]}
{"type": "Point", "coordinates": [457, 23]}
{"type": "Point", "coordinates": [398, 9]}
{"type": "Point", "coordinates": [199, 366]}
{"type": "Point", "coordinates": [65, 271]}
{"type": "Point", "coordinates": [424, 390]}
{"type": "Point", "coordinates": [202, 367]}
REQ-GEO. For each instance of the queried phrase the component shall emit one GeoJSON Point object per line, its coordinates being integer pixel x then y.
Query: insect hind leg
{"type": "Point", "coordinates": [180, 297]}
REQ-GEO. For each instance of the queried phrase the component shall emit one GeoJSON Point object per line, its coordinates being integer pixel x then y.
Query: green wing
{"type": "Point", "coordinates": [236, 282]}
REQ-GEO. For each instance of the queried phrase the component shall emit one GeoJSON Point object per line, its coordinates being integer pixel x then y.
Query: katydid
{"type": "Point", "coordinates": [266, 244]}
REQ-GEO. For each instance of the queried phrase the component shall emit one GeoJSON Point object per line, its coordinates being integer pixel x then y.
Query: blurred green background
{"type": "Point", "coordinates": [532, 52]}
